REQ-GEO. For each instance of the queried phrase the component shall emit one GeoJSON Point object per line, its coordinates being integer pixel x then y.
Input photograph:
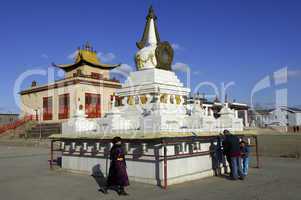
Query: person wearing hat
{"type": "Point", "coordinates": [118, 177]}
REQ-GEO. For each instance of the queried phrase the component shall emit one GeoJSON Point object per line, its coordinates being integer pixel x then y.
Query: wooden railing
{"type": "Point", "coordinates": [15, 124]}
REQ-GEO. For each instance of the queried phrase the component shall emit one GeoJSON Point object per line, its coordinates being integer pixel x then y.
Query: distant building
{"type": "Point", "coordinates": [86, 86]}
{"type": "Point", "coordinates": [8, 118]}
{"type": "Point", "coordinates": [286, 117]}
{"type": "Point", "coordinates": [241, 109]}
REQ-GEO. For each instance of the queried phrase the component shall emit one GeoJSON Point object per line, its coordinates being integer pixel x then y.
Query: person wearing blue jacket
{"type": "Point", "coordinates": [244, 151]}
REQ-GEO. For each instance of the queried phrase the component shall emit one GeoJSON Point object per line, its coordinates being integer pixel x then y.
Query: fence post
{"type": "Point", "coordinates": [165, 166]}
{"type": "Point", "coordinates": [51, 154]}
{"type": "Point", "coordinates": [257, 152]}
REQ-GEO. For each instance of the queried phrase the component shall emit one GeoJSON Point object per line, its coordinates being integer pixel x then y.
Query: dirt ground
{"type": "Point", "coordinates": [24, 174]}
{"type": "Point", "coordinates": [283, 145]}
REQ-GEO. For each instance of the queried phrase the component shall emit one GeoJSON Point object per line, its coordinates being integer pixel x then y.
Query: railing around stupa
{"type": "Point", "coordinates": [184, 147]}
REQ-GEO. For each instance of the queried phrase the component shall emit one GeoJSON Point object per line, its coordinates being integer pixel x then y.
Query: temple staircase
{"type": "Point", "coordinates": [44, 130]}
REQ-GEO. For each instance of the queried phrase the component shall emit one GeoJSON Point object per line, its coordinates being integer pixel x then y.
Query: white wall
{"type": "Point", "coordinates": [146, 169]}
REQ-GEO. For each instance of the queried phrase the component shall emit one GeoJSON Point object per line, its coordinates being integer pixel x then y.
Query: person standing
{"type": "Point", "coordinates": [232, 150]}
{"type": "Point", "coordinates": [226, 148]}
{"type": "Point", "coordinates": [245, 151]}
{"type": "Point", "coordinates": [118, 177]}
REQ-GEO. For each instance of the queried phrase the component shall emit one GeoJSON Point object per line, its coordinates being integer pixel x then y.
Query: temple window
{"type": "Point", "coordinates": [47, 108]}
{"type": "Point", "coordinates": [79, 72]}
{"type": "Point", "coordinates": [92, 105]}
{"type": "Point", "coordinates": [96, 75]}
{"type": "Point", "coordinates": [64, 101]}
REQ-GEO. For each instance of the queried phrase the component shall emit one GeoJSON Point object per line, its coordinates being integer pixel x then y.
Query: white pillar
{"type": "Point", "coordinates": [211, 113]}
{"type": "Point", "coordinates": [206, 111]}
{"type": "Point", "coordinates": [236, 114]}
{"type": "Point", "coordinates": [246, 118]}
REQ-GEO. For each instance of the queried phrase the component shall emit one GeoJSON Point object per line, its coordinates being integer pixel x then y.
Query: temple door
{"type": "Point", "coordinates": [47, 108]}
{"type": "Point", "coordinates": [64, 101]}
{"type": "Point", "coordinates": [92, 105]}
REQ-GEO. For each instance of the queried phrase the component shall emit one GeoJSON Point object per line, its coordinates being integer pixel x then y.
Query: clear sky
{"type": "Point", "coordinates": [220, 41]}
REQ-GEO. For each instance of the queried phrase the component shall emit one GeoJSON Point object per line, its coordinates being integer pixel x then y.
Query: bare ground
{"type": "Point", "coordinates": [24, 174]}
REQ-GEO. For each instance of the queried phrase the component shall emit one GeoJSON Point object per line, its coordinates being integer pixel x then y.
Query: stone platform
{"type": "Point", "coordinates": [159, 161]}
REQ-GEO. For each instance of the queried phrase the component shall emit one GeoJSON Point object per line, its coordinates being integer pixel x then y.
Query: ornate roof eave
{"type": "Point", "coordinates": [239, 106]}
{"type": "Point", "coordinates": [69, 67]}
{"type": "Point", "coordinates": [151, 15]}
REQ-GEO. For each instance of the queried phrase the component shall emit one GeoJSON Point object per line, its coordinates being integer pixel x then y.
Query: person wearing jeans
{"type": "Point", "coordinates": [236, 168]}
{"type": "Point", "coordinates": [245, 151]}
{"type": "Point", "coordinates": [232, 151]}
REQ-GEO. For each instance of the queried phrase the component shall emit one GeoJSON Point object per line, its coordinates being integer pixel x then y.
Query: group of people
{"type": "Point", "coordinates": [236, 152]}
{"type": "Point", "coordinates": [237, 155]}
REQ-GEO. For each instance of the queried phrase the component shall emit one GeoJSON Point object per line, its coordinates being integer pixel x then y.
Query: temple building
{"type": "Point", "coordinates": [86, 86]}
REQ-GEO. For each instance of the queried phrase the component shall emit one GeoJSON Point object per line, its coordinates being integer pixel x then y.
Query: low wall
{"type": "Point", "coordinates": [158, 161]}
{"type": "Point", "coordinates": [143, 165]}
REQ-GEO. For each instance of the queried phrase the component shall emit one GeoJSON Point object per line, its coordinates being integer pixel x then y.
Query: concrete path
{"type": "Point", "coordinates": [24, 175]}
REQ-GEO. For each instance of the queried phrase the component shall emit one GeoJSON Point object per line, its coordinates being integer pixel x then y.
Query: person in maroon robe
{"type": "Point", "coordinates": [118, 177]}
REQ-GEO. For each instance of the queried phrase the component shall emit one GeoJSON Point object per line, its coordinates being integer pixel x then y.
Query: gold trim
{"type": "Point", "coordinates": [178, 99]}
{"type": "Point", "coordinates": [163, 98]}
{"type": "Point", "coordinates": [130, 100]}
{"type": "Point", "coordinates": [143, 99]}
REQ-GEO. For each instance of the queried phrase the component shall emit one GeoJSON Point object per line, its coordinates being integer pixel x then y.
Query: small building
{"type": "Point", "coordinates": [241, 109]}
{"type": "Point", "coordinates": [8, 118]}
{"type": "Point", "coordinates": [287, 118]}
{"type": "Point", "coordinates": [86, 86]}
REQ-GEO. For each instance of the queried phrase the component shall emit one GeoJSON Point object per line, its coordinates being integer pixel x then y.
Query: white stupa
{"type": "Point", "coordinates": [154, 99]}
{"type": "Point", "coordinates": [153, 96]}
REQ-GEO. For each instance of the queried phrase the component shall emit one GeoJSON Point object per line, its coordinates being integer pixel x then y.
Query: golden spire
{"type": "Point", "coordinates": [87, 53]}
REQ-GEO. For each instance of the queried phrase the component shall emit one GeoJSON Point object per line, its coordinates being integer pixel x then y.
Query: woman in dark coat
{"type": "Point", "coordinates": [118, 177]}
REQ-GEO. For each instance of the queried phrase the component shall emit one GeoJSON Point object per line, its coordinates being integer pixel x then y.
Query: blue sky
{"type": "Point", "coordinates": [220, 41]}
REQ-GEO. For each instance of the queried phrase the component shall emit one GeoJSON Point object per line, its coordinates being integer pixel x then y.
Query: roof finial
{"type": "Point", "coordinates": [150, 34]}
{"type": "Point", "coordinates": [87, 46]}
{"type": "Point", "coordinates": [151, 13]}
{"type": "Point", "coordinates": [216, 100]}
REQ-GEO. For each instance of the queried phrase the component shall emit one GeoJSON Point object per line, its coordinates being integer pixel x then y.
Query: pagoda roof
{"type": "Point", "coordinates": [86, 56]}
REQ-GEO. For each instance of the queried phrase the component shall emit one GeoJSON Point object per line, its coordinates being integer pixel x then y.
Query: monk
{"type": "Point", "coordinates": [118, 177]}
